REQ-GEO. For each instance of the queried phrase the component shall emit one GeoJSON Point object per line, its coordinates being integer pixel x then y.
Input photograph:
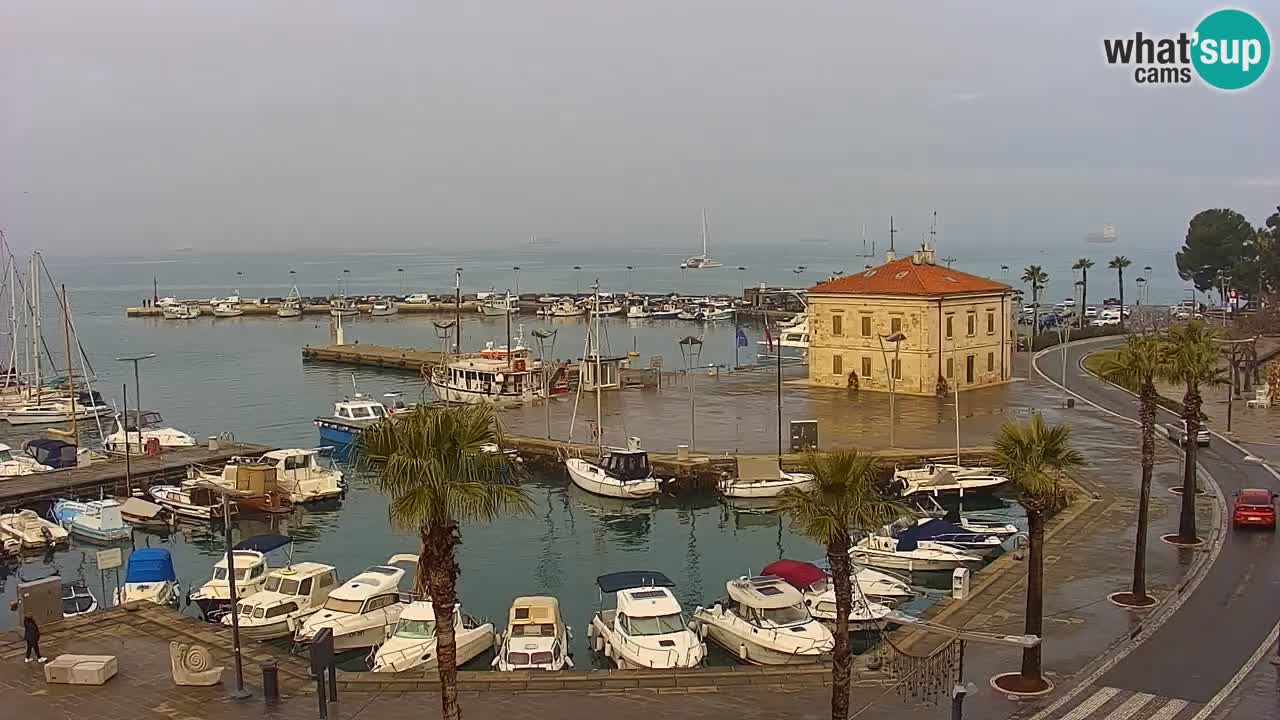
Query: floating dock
{"type": "Point", "coordinates": [108, 477]}
{"type": "Point", "coordinates": [381, 356]}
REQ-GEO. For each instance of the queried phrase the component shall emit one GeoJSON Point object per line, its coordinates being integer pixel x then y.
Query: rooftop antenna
{"type": "Point", "coordinates": [933, 231]}
{"type": "Point", "coordinates": [892, 255]}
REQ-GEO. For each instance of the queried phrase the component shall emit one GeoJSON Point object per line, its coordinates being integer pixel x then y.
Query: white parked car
{"type": "Point", "coordinates": [418, 299]}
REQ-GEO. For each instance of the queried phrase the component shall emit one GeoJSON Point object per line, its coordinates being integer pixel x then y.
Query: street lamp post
{"type": "Point", "coordinates": [515, 269]}
{"type": "Point", "coordinates": [400, 276]}
{"type": "Point", "coordinates": [691, 351]}
{"type": "Point", "coordinates": [896, 339]}
{"type": "Point", "coordinates": [542, 336]}
{"type": "Point", "coordinates": [227, 493]}
{"type": "Point", "coordinates": [630, 269]}
{"type": "Point", "coordinates": [457, 310]}
{"type": "Point", "coordinates": [137, 395]}
{"type": "Point", "coordinates": [577, 278]}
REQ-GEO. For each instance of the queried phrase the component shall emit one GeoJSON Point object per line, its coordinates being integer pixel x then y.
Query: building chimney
{"type": "Point", "coordinates": [926, 253]}
{"type": "Point", "coordinates": [917, 256]}
{"type": "Point", "coordinates": [890, 256]}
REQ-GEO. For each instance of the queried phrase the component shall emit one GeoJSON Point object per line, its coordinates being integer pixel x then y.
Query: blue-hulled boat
{"type": "Point", "coordinates": [98, 520]}
{"type": "Point", "coordinates": [150, 578]}
{"type": "Point", "coordinates": [350, 417]}
{"type": "Point", "coordinates": [943, 532]}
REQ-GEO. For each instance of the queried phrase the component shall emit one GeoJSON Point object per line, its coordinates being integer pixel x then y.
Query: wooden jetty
{"type": "Point", "coordinates": [382, 356]}
{"type": "Point", "coordinates": [108, 477]}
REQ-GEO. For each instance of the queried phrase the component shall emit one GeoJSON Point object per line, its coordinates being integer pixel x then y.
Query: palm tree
{"type": "Point", "coordinates": [1038, 278]}
{"type": "Point", "coordinates": [845, 496]}
{"type": "Point", "coordinates": [1190, 358]}
{"type": "Point", "coordinates": [433, 465]}
{"type": "Point", "coordinates": [1136, 366]}
{"type": "Point", "coordinates": [1119, 263]}
{"type": "Point", "coordinates": [1083, 265]}
{"type": "Point", "coordinates": [1035, 455]}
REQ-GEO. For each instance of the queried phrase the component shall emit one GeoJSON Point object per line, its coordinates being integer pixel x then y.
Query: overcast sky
{"type": "Point", "coordinates": [264, 125]}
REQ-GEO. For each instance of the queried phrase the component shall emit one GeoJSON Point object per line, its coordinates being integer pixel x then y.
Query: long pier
{"type": "Point", "coordinates": [381, 356]}
{"type": "Point", "coordinates": [269, 309]}
{"type": "Point", "coordinates": [108, 477]}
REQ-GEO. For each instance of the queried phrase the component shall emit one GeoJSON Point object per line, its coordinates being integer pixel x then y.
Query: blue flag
{"type": "Point", "coordinates": [742, 338]}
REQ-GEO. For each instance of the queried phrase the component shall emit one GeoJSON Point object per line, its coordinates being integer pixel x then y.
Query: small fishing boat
{"type": "Point", "coordinates": [689, 312]}
{"type": "Point", "coordinates": [77, 599]}
{"type": "Point", "coordinates": [342, 307]}
{"type": "Point", "coordinates": [565, 308]}
{"type": "Point", "coordinates": [764, 621]}
{"type": "Point", "coordinates": [143, 428]}
{"type": "Point", "coordinates": [258, 489]}
{"type": "Point", "coordinates": [143, 514]}
{"type": "Point", "coordinates": [383, 308]}
{"type": "Point", "coordinates": [608, 310]}
{"type": "Point", "coordinates": [250, 555]}
{"type": "Point", "coordinates": [718, 314]}
{"type": "Point", "coordinates": [97, 520]}
{"type": "Point", "coordinates": [149, 577]}
{"type": "Point", "coordinates": [765, 487]}
{"type": "Point", "coordinates": [536, 637]}
{"type": "Point", "coordinates": [492, 376]}
{"type": "Point", "coordinates": [227, 310]}
{"type": "Point", "coordinates": [288, 597]}
{"type": "Point", "coordinates": [937, 480]}
{"type": "Point", "coordinates": [362, 611]}
{"type": "Point", "coordinates": [910, 554]}
{"type": "Point", "coordinates": [816, 585]}
{"type": "Point", "coordinates": [499, 305]}
{"type": "Point", "coordinates": [412, 645]}
{"type": "Point", "coordinates": [350, 417]}
{"type": "Point", "coordinates": [181, 311]}
{"type": "Point", "coordinates": [57, 454]}
{"type": "Point", "coordinates": [17, 465]}
{"type": "Point", "coordinates": [302, 477]}
{"type": "Point", "coordinates": [639, 311]}
{"type": "Point", "coordinates": [31, 530]}
{"type": "Point", "coordinates": [645, 627]}
{"type": "Point", "coordinates": [621, 473]}
{"type": "Point", "coordinates": [292, 305]}
{"type": "Point", "coordinates": [198, 503]}
{"type": "Point", "coordinates": [665, 312]}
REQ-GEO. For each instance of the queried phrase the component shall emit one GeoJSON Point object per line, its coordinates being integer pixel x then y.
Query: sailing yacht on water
{"type": "Point", "coordinates": [292, 305]}
{"type": "Point", "coordinates": [703, 261]}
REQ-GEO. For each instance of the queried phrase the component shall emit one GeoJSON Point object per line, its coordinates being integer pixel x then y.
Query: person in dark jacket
{"type": "Point", "coordinates": [31, 633]}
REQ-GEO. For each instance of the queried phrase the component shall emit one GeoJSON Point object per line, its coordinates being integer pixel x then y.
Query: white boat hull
{"type": "Point", "coordinates": [397, 655]}
{"type": "Point", "coordinates": [902, 561]}
{"type": "Point", "coordinates": [288, 312]}
{"type": "Point", "coordinates": [765, 488]}
{"type": "Point", "coordinates": [755, 652]}
{"type": "Point", "coordinates": [594, 480]}
{"type": "Point", "coordinates": [453, 394]}
{"type": "Point", "coordinates": [52, 417]}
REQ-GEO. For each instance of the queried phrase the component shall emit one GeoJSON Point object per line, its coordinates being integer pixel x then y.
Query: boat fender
{"type": "Point", "coordinates": [742, 651]}
{"type": "Point", "coordinates": [702, 631]}
{"type": "Point", "coordinates": [605, 649]}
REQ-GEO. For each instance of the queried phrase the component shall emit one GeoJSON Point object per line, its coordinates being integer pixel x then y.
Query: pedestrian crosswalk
{"type": "Point", "coordinates": [1109, 703]}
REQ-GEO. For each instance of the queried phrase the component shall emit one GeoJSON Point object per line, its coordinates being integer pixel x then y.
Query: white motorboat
{"type": "Point", "coordinates": [150, 578]}
{"type": "Point", "coordinates": [143, 428]}
{"type": "Point", "coordinates": [718, 314]}
{"type": "Point", "coordinates": [166, 301]}
{"type": "Point", "coordinates": [412, 645]}
{"type": "Point", "coordinates": [227, 310]}
{"type": "Point", "coordinates": [689, 312]}
{"type": "Point", "coordinates": [31, 530]}
{"type": "Point", "coordinates": [302, 477]}
{"type": "Point", "coordinates": [17, 465]}
{"type": "Point", "coordinates": [232, 299]}
{"type": "Point", "coordinates": [77, 599]}
{"type": "Point", "coordinates": [913, 556]}
{"type": "Point", "coordinates": [288, 597]}
{"type": "Point", "coordinates": [351, 416]}
{"type": "Point", "coordinates": [250, 555]}
{"type": "Point", "coordinates": [181, 311]}
{"type": "Point", "coordinates": [621, 473]}
{"type": "Point", "coordinates": [292, 305]}
{"type": "Point", "coordinates": [383, 308]}
{"type": "Point", "coordinates": [703, 261]}
{"type": "Point", "coordinates": [565, 308]}
{"type": "Point", "coordinates": [947, 533]}
{"type": "Point", "coordinates": [819, 593]}
{"type": "Point", "coordinates": [798, 320]}
{"type": "Point", "coordinates": [646, 627]}
{"type": "Point", "coordinates": [362, 611]}
{"type": "Point", "coordinates": [536, 637]}
{"type": "Point", "coordinates": [882, 587]}
{"type": "Point", "coordinates": [607, 310]}
{"type": "Point", "coordinates": [97, 520]}
{"type": "Point", "coordinates": [665, 311]}
{"type": "Point", "coordinates": [935, 480]}
{"type": "Point", "coordinates": [499, 305]}
{"type": "Point", "coordinates": [549, 299]}
{"type": "Point", "coordinates": [764, 621]}
{"type": "Point", "coordinates": [492, 376]}
{"type": "Point", "coordinates": [638, 311]}
{"type": "Point", "coordinates": [342, 307]}
{"type": "Point", "coordinates": [792, 342]}
{"type": "Point", "coordinates": [190, 501]}
{"type": "Point", "coordinates": [767, 487]}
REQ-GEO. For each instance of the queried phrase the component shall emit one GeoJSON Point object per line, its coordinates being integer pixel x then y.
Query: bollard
{"type": "Point", "coordinates": [271, 682]}
{"type": "Point", "coordinates": [322, 696]}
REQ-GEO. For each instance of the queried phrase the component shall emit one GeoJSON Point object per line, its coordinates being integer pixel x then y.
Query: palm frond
{"type": "Point", "coordinates": [845, 495]}
{"type": "Point", "coordinates": [1135, 364]}
{"type": "Point", "coordinates": [1036, 455]}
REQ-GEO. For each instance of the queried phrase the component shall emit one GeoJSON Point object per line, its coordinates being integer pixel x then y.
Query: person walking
{"type": "Point", "coordinates": [31, 633]}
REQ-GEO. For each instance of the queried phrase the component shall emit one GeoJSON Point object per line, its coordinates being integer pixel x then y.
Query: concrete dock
{"type": "Point", "coordinates": [109, 477]}
{"type": "Point", "coordinates": [380, 356]}
{"type": "Point", "coordinates": [269, 309]}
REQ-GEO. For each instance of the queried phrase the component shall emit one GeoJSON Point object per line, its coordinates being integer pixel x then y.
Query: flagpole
{"type": "Point", "coordinates": [736, 343]}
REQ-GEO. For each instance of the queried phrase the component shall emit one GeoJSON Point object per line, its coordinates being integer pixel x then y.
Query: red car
{"type": "Point", "coordinates": [1254, 508]}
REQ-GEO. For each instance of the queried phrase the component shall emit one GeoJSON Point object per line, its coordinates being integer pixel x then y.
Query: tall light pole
{"type": "Point", "coordinates": [137, 396]}
{"type": "Point", "coordinates": [577, 278]}
{"type": "Point", "coordinates": [630, 269]}
{"type": "Point", "coordinates": [691, 351]}
{"type": "Point", "coordinates": [515, 269]}
{"type": "Point", "coordinates": [227, 493]}
{"type": "Point", "coordinates": [542, 336]}
{"type": "Point", "coordinates": [400, 275]}
{"type": "Point", "coordinates": [896, 339]}
{"type": "Point", "coordinates": [457, 310]}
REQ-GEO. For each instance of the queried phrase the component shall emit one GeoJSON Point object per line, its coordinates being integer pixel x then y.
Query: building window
{"type": "Point", "coordinates": [895, 325]}
{"type": "Point", "coordinates": [837, 365]}
{"type": "Point", "coordinates": [968, 369]}
{"type": "Point", "coordinates": [896, 365]}
{"type": "Point", "coordinates": [949, 317]}
{"type": "Point", "coordinates": [972, 327]}
{"type": "Point", "coordinates": [951, 367]}
{"type": "Point", "coordinates": [991, 323]}
{"type": "Point", "coordinates": [837, 324]}
{"type": "Point", "coordinates": [991, 361]}
{"type": "Point", "coordinates": [866, 326]}
{"type": "Point", "coordinates": [866, 367]}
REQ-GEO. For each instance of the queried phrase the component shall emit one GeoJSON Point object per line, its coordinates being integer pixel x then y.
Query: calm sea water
{"type": "Point", "coordinates": [245, 376]}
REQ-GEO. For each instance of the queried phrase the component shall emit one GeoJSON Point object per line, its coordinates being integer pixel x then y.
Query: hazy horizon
{"type": "Point", "coordinates": [142, 127]}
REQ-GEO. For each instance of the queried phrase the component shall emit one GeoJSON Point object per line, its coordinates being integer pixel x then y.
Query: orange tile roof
{"type": "Point", "coordinates": [904, 277]}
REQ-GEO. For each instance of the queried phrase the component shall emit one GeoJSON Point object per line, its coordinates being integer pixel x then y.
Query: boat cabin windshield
{"type": "Point", "coordinates": [221, 574]}
{"type": "Point", "coordinates": [657, 625]}
{"type": "Point", "coordinates": [627, 466]}
{"type": "Point", "coordinates": [362, 412]}
{"type": "Point", "coordinates": [535, 658]}
{"type": "Point", "coordinates": [6, 455]}
{"type": "Point", "coordinates": [339, 605]}
{"type": "Point", "coordinates": [288, 586]}
{"type": "Point", "coordinates": [778, 617]}
{"type": "Point", "coordinates": [534, 630]}
{"type": "Point", "coordinates": [416, 629]}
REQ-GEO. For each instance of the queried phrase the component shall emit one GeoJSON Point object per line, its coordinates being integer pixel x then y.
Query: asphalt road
{"type": "Point", "coordinates": [1198, 651]}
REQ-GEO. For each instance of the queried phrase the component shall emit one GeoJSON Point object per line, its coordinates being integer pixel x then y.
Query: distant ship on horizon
{"type": "Point", "coordinates": [1107, 235]}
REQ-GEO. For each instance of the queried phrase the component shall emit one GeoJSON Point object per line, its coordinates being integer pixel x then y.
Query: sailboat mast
{"type": "Point", "coordinates": [778, 347]}
{"type": "Point", "coordinates": [595, 342]}
{"type": "Point", "coordinates": [35, 324]}
{"type": "Point", "coordinates": [13, 324]}
{"type": "Point", "coordinates": [704, 233]}
{"type": "Point", "coordinates": [71, 375]}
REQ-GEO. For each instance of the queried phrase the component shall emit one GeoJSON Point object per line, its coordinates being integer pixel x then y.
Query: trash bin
{"type": "Point", "coordinates": [270, 682]}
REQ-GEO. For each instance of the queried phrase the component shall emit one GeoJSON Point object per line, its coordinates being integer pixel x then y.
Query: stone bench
{"type": "Point", "coordinates": [80, 669]}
